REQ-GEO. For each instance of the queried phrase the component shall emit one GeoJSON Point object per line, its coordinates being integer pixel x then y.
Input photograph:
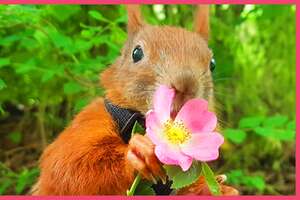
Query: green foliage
{"type": "Point", "coordinates": [137, 128]}
{"type": "Point", "coordinates": [210, 179]}
{"type": "Point", "coordinates": [180, 178]}
{"type": "Point", "coordinates": [291, 125]}
{"type": "Point", "coordinates": [249, 66]}
{"type": "Point", "coordinates": [96, 15]}
{"type": "Point", "coordinates": [144, 188]}
{"type": "Point", "coordinates": [250, 122]}
{"type": "Point", "coordinates": [4, 62]}
{"type": "Point", "coordinates": [18, 182]}
{"type": "Point", "coordinates": [235, 136]}
{"type": "Point", "coordinates": [5, 183]}
{"type": "Point", "coordinates": [237, 177]}
{"type": "Point", "coordinates": [72, 88]}
{"type": "Point", "coordinates": [15, 137]}
{"type": "Point", "coordinates": [2, 84]}
{"type": "Point", "coordinates": [272, 132]}
{"type": "Point", "coordinates": [275, 121]}
{"type": "Point", "coordinates": [65, 53]}
{"type": "Point", "coordinates": [26, 178]}
{"type": "Point", "coordinates": [277, 127]}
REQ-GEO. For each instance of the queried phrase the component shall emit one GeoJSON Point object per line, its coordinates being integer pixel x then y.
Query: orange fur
{"type": "Point", "coordinates": [201, 24]}
{"type": "Point", "coordinates": [88, 158]}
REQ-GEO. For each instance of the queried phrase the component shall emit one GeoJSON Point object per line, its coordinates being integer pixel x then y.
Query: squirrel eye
{"type": "Point", "coordinates": [212, 65]}
{"type": "Point", "coordinates": [137, 54]}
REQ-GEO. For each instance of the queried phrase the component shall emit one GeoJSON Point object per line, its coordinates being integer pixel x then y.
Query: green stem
{"type": "Point", "coordinates": [135, 183]}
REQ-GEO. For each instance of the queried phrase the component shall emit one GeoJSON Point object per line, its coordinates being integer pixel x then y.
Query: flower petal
{"type": "Point", "coordinates": [172, 156]}
{"type": "Point", "coordinates": [153, 128]}
{"type": "Point", "coordinates": [204, 146]}
{"type": "Point", "coordinates": [163, 98]}
{"type": "Point", "coordinates": [154, 136]}
{"type": "Point", "coordinates": [152, 119]}
{"type": "Point", "coordinates": [195, 115]}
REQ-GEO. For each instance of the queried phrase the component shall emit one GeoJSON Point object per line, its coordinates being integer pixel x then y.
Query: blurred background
{"type": "Point", "coordinates": [51, 57]}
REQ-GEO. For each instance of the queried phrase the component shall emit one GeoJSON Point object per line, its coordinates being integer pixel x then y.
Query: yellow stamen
{"type": "Point", "coordinates": [176, 132]}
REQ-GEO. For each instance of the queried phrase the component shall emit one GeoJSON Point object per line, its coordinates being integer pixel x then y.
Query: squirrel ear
{"type": "Point", "coordinates": [201, 21]}
{"type": "Point", "coordinates": [135, 21]}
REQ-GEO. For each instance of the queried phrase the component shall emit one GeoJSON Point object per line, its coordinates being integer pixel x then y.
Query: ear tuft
{"type": "Point", "coordinates": [201, 21]}
{"type": "Point", "coordinates": [135, 21]}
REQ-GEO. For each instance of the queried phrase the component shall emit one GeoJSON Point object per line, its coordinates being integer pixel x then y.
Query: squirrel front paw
{"type": "Point", "coordinates": [141, 156]}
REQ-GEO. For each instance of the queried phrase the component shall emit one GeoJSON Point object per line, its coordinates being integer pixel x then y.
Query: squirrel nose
{"type": "Point", "coordinates": [185, 85]}
{"type": "Point", "coordinates": [180, 99]}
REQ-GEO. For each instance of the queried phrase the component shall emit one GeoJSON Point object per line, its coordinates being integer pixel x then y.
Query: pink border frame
{"type": "Point", "coordinates": [148, 1]}
{"type": "Point", "coordinates": [292, 197]}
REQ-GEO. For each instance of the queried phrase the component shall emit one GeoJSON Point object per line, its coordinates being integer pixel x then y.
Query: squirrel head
{"type": "Point", "coordinates": [154, 55]}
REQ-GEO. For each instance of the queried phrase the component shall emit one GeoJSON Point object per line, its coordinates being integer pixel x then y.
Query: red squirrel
{"type": "Point", "coordinates": [90, 157]}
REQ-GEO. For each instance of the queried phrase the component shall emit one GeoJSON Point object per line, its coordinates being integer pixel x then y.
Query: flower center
{"type": "Point", "coordinates": [176, 132]}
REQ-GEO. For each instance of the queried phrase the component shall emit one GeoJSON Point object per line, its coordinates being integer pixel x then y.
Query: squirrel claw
{"type": "Point", "coordinates": [153, 179]}
{"type": "Point", "coordinates": [163, 178]}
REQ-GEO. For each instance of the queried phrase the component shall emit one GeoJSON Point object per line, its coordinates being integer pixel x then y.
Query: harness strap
{"type": "Point", "coordinates": [124, 118]}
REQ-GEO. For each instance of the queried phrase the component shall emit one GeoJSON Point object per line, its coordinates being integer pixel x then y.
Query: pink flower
{"type": "Point", "coordinates": [189, 136]}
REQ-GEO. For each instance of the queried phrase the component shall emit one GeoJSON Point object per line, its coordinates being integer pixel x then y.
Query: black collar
{"type": "Point", "coordinates": [124, 118]}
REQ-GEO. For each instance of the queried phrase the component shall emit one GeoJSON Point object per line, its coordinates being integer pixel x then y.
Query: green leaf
{"type": "Point", "coordinates": [236, 136]}
{"type": "Point", "coordinates": [5, 184]}
{"type": "Point", "coordinates": [235, 177]}
{"type": "Point", "coordinates": [180, 178]}
{"type": "Point", "coordinates": [80, 104]}
{"type": "Point", "coordinates": [97, 15]}
{"type": "Point", "coordinates": [255, 181]}
{"type": "Point", "coordinates": [87, 33]}
{"type": "Point", "coordinates": [22, 182]}
{"type": "Point", "coordinates": [250, 122]}
{"type": "Point", "coordinates": [211, 181]}
{"type": "Point", "coordinates": [61, 40]}
{"type": "Point", "coordinates": [63, 12]}
{"type": "Point", "coordinates": [47, 76]}
{"type": "Point", "coordinates": [4, 62]}
{"type": "Point", "coordinates": [6, 41]}
{"type": "Point", "coordinates": [82, 45]}
{"type": "Point", "coordinates": [72, 88]}
{"type": "Point", "coordinates": [137, 128]}
{"type": "Point", "coordinates": [2, 111]}
{"type": "Point", "coordinates": [26, 178]}
{"type": "Point", "coordinates": [238, 177]}
{"type": "Point", "coordinates": [26, 67]}
{"type": "Point", "coordinates": [263, 131]}
{"type": "Point", "coordinates": [279, 134]}
{"type": "Point", "coordinates": [2, 84]}
{"type": "Point", "coordinates": [291, 125]}
{"type": "Point", "coordinates": [144, 188]}
{"type": "Point", "coordinates": [15, 137]}
{"type": "Point", "coordinates": [285, 135]}
{"type": "Point", "coordinates": [276, 121]}
{"type": "Point", "coordinates": [41, 37]}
